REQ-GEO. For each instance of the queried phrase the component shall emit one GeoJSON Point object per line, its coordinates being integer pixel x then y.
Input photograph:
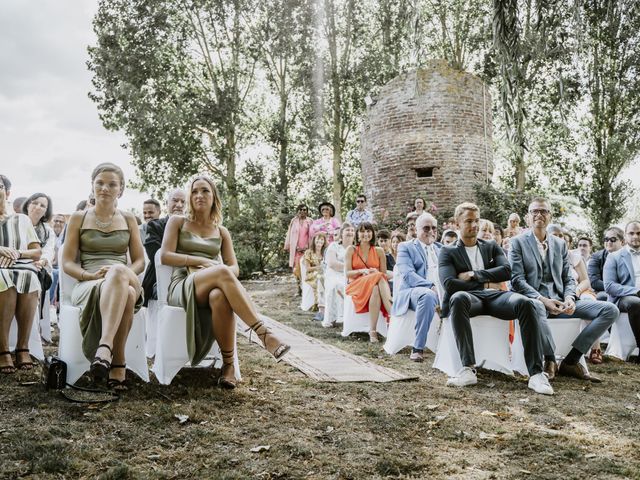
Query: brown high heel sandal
{"type": "Point", "coordinates": [24, 366]}
{"type": "Point", "coordinates": [7, 369]}
{"type": "Point", "coordinates": [281, 349]}
{"type": "Point", "coordinates": [227, 363]}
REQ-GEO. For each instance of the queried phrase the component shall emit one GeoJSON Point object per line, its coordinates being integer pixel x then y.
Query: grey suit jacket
{"type": "Point", "coordinates": [526, 266]}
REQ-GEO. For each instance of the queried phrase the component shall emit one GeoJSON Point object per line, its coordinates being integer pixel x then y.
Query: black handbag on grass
{"type": "Point", "coordinates": [54, 377]}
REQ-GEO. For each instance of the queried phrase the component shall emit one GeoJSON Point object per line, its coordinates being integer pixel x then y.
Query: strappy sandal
{"type": "Point", "coordinates": [7, 369]}
{"type": "Point", "coordinates": [100, 367]}
{"type": "Point", "coordinates": [373, 337]}
{"type": "Point", "coordinates": [595, 357]}
{"type": "Point", "coordinates": [118, 385]}
{"type": "Point", "coordinates": [279, 351]}
{"type": "Point", "coordinates": [227, 363]}
{"type": "Point", "coordinates": [24, 366]}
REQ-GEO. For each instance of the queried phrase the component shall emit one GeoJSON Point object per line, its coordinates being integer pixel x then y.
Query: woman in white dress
{"type": "Point", "coordinates": [335, 279]}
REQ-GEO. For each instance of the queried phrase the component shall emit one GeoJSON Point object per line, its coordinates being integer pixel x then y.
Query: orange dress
{"type": "Point", "coordinates": [360, 288]}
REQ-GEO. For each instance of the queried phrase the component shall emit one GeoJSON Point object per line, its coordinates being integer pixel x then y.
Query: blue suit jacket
{"type": "Point", "coordinates": [526, 266]}
{"type": "Point", "coordinates": [411, 272]}
{"type": "Point", "coordinates": [619, 276]}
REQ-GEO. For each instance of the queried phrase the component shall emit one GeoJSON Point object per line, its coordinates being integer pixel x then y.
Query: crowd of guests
{"type": "Point", "coordinates": [473, 266]}
{"type": "Point", "coordinates": [107, 251]}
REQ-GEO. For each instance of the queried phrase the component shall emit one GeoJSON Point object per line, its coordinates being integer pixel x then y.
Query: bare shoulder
{"type": "Point", "coordinates": [224, 233]}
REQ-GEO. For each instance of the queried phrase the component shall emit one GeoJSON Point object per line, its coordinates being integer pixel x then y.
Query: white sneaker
{"type": "Point", "coordinates": [466, 376]}
{"type": "Point", "coordinates": [539, 383]}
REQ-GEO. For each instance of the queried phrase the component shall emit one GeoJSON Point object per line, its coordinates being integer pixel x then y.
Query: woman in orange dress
{"type": "Point", "coordinates": [366, 270]}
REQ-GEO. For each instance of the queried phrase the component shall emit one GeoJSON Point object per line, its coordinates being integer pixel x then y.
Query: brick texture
{"type": "Point", "coordinates": [435, 118]}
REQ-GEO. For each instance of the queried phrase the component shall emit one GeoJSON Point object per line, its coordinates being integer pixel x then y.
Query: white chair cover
{"type": "Point", "coordinates": [171, 343]}
{"type": "Point", "coordinates": [402, 333]}
{"type": "Point", "coordinates": [70, 350]}
{"type": "Point", "coordinates": [44, 323]}
{"type": "Point", "coordinates": [333, 302]}
{"type": "Point", "coordinates": [308, 298]}
{"type": "Point", "coordinates": [622, 343]}
{"type": "Point", "coordinates": [151, 327]}
{"type": "Point", "coordinates": [359, 322]}
{"type": "Point", "coordinates": [490, 343]}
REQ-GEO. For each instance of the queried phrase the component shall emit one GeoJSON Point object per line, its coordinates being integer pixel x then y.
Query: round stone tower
{"type": "Point", "coordinates": [427, 134]}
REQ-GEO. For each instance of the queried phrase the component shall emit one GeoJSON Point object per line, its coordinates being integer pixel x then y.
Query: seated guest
{"type": "Point", "coordinates": [585, 246]}
{"type": "Point", "coordinates": [327, 223]}
{"type": "Point", "coordinates": [486, 230]}
{"type": "Point", "coordinates": [450, 224]}
{"type": "Point", "coordinates": [366, 269]}
{"type": "Point", "coordinates": [335, 279]}
{"type": "Point", "coordinates": [108, 291]}
{"type": "Point", "coordinates": [19, 285]}
{"type": "Point", "coordinates": [151, 210]}
{"type": "Point", "coordinates": [384, 242]}
{"type": "Point", "coordinates": [38, 208]}
{"type": "Point", "coordinates": [418, 280]}
{"type": "Point", "coordinates": [498, 234]}
{"type": "Point", "coordinates": [542, 270]}
{"type": "Point", "coordinates": [297, 239]}
{"type": "Point", "coordinates": [513, 226]}
{"type": "Point", "coordinates": [360, 214]}
{"type": "Point", "coordinates": [18, 203]}
{"type": "Point", "coordinates": [314, 274]}
{"type": "Point", "coordinates": [506, 244]}
{"type": "Point", "coordinates": [613, 241]}
{"type": "Point", "coordinates": [477, 291]}
{"type": "Point", "coordinates": [449, 237]}
{"type": "Point", "coordinates": [411, 225]}
{"type": "Point", "coordinates": [59, 225]}
{"type": "Point", "coordinates": [419, 206]}
{"type": "Point", "coordinates": [396, 239]}
{"type": "Point", "coordinates": [204, 281]}
{"type": "Point", "coordinates": [175, 204]}
{"type": "Point", "coordinates": [622, 278]}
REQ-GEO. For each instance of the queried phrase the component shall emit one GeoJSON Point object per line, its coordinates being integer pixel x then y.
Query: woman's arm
{"type": "Point", "coordinates": [348, 265]}
{"type": "Point", "coordinates": [383, 260]}
{"type": "Point", "coordinates": [333, 262]}
{"type": "Point", "coordinates": [70, 250]}
{"type": "Point", "coordinates": [49, 249]}
{"type": "Point", "coordinates": [136, 251]}
{"type": "Point", "coordinates": [228, 253]}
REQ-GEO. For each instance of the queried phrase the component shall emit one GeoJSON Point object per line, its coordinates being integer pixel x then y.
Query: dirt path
{"type": "Point", "coordinates": [418, 429]}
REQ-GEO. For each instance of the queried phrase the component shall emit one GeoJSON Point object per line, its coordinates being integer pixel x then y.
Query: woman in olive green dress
{"type": "Point", "coordinates": [108, 291]}
{"type": "Point", "coordinates": [204, 281]}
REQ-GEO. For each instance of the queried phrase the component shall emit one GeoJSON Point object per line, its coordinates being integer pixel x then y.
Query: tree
{"type": "Point", "coordinates": [610, 59]}
{"type": "Point", "coordinates": [175, 77]}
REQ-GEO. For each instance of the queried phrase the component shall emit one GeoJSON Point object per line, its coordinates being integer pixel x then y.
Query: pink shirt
{"type": "Point", "coordinates": [328, 227]}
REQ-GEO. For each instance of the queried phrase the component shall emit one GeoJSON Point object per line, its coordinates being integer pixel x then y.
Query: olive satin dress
{"type": "Point", "coordinates": [182, 293]}
{"type": "Point", "coordinates": [97, 249]}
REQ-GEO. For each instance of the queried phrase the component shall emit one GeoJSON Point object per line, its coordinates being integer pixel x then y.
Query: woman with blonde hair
{"type": "Point", "coordinates": [314, 274]}
{"type": "Point", "coordinates": [108, 291]}
{"type": "Point", "coordinates": [335, 279]}
{"type": "Point", "coordinates": [204, 281]}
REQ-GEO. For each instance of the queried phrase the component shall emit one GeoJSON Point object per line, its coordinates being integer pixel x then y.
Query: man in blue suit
{"type": "Point", "coordinates": [417, 268]}
{"type": "Point", "coordinates": [541, 270]}
{"type": "Point", "coordinates": [621, 277]}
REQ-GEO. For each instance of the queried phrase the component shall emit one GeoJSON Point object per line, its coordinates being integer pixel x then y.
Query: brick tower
{"type": "Point", "coordinates": [428, 134]}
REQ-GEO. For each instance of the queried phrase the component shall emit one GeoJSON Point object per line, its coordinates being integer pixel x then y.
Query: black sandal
{"type": "Point", "coordinates": [100, 367]}
{"type": "Point", "coordinates": [24, 366]}
{"type": "Point", "coordinates": [227, 361]}
{"type": "Point", "coordinates": [280, 351]}
{"type": "Point", "coordinates": [118, 385]}
{"type": "Point", "coordinates": [7, 369]}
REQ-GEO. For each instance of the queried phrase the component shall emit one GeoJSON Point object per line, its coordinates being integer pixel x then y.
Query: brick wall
{"type": "Point", "coordinates": [433, 118]}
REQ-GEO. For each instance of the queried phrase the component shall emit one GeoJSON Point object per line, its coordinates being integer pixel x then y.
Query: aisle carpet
{"type": "Point", "coordinates": [324, 362]}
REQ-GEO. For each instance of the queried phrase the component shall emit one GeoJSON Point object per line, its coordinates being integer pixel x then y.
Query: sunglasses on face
{"type": "Point", "coordinates": [359, 201]}
{"type": "Point", "coordinates": [610, 239]}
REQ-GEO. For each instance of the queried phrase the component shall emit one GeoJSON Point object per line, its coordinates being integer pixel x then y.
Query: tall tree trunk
{"type": "Point", "coordinates": [283, 139]}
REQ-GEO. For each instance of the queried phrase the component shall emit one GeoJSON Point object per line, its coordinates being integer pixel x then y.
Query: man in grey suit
{"type": "Point", "coordinates": [541, 269]}
{"type": "Point", "coordinates": [417, 268]}
{"type": "Point", "coordinates": [622, 277]}
{"type": "Point", "coordinates": [472, 272]}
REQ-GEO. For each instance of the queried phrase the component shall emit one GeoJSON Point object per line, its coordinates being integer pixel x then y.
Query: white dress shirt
{"type": "Point", "coordinates": [635, 259]}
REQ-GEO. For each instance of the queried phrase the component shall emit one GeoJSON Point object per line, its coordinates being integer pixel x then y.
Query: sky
{"type": "Point", "coordinates": [50, 133]}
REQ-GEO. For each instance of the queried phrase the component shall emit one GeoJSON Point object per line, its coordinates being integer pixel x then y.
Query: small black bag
{"type": "Point", "coordinates": [54, 373]}
{"type": "Point", "coordinates": [45, 279]}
